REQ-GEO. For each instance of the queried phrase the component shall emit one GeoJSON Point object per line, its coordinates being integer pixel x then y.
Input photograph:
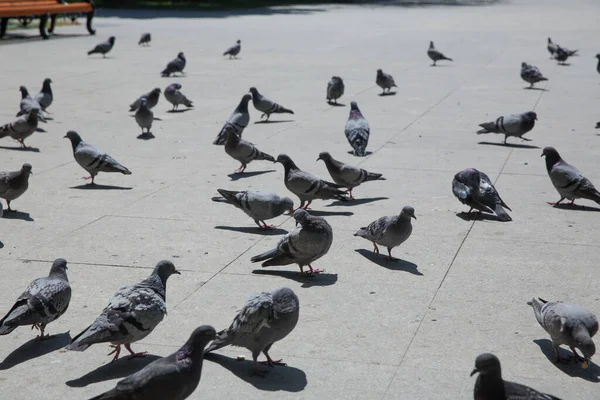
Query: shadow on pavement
{"type": "Point", "coordinates": [478, 216]}
{"type": "Point", "coordinates": [239, 175]}
{"type": "Point", "coordinates": [329, 213]}
{"type": "Point", "coordinates": [31, 149]}
{"type": "Point", "coordinates": [513, 145]}
{"type": "Point", "coordinates": [356, 202]}
{"type": "Point", "coordinates": [253, 229]}
{"type": "Point", "coordinates": [95, 186]}
{"type": "Point", "coordinates": [573, 369]}
{"type": "Point", "coordinates": [576, 207]}
{"type": "Point", "coordinates": [113, 370]}
{"type": "Point", "coordinates": [394, 264]}
{"type": "Point", "coordinates": [274, 122]}
{"type": "Point", "coordinates": [17, 215]}
{"type": "Point", "coordinates": [35, 348]}
{"type": "Point", "coordinates": [322, 279]}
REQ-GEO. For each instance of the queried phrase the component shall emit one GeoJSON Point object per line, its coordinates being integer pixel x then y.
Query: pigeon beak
{"type": "Point", "coordinates": [291, 211]}
{"type": "Point", "coordinates": [542, 155]}
{"type": "Point", "coordinates": [318, 159]}
{"type": "Point", "coordinates": [64, 137]}
{"type": "Point", "coordinates": [475, 370]}
{"type": "Point", "coordinates": [177, 272]}
{"type": "Point", "coordinates": [414, 216]}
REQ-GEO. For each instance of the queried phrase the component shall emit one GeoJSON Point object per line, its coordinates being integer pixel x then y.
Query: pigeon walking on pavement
{"type": "Point", "coordinates": [562, 54]}
{"type": "Point", "coordinates": [237, 121]}
{"type": "Point", "coordinates": [475, 189]}
{"type": "Point", "coordinates": [258, 205]}
{"type": "Point", "coordinates": [44, 301]}
{"type": "Point", "coordinates": [267, 106]}
{"type": "Point", "coordinates": [335, 89]}
{"type": "Point", "coordinates": [511, 125]}
{"type": "Point", "coordinates": [347, 175]}
{"type": "Point", "coordinates": [234, 50]}
{"type": "Point", "coordinates": [567, 179]}
{"type": "Point", "coordinates": [436, 55]}
{"type": "Point", "coordinates": [244, 151]}
{"type": "Point", "coordinates": [45, 97]}
{"type": "Point", "coordinates": [174, 377]}
{"type": "Point", "coordinates": [175, 66]}
{"type": "Point", "coordinates": [151, 97]}
{"type": "Point", "coordinates": [384, 81]}
{"type": "Point", "coordinates": [21, 128]}
{"type": "Point", "coordinates": [91, 159]}
{"type": "Point", "coordinates": [551, 48]}
{"type": "Point", "coordinates": [174, 96]}
{"type": "Point", "coordinates": [14, 183]}
{"type": "Point", "coordinates": [357, 131]}
{"type": "Point", "coordinates": [132, 313]}
{"type": "Point", "coordinates": [104, 47]}
{"type": "Point", "coordinates": [531, 74]}
{"type": "Point", "coordinates": [144, 118]}
{"type": "Point", "coordinates": [28, 103]}
{"type": "Point", "coordinates": [309, 241]}
{"type": "Point", "coordinates": [266, 318]}
{"type": "Point", "coordinates": [145, 39]}
{"type": "Point", "coordinates": [389, 231]}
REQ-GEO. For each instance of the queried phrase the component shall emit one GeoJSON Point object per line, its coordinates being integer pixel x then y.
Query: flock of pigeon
{"type": "Point", "coordinates": [135, 310]}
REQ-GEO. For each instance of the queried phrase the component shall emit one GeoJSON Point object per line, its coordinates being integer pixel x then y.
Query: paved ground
{"type": "Point", "coordinates": [369, 329]}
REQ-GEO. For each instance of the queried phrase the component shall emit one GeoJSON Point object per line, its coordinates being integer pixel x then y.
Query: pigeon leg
{"type": "Point", "coordinates": [258, 372]}
{"type": "Point", "coordinates": [268, 115]}
{"type": "Point", "coordinates": [265, 226]}
{"type": "Point", "coordinates": [390, 254]}
{"type": "Point", "coordinates": [531, 86]}
{"type": "Point", "coordinates": [375, 248]}
{"type": "Point", "coordinates": [558, 202]}
{"type": "Point", "coordinates": [240, 169]}
{"type": "Point", "coordinates": [41, 328]}
{"type": "Point", "coordinates": [8, 206]}
{"type": "Point", "coordinates": [505, 137]}
{"type": "Point", "coordinates": [270, 362]}
{"type": "Point", "coordinates": [573, 202]}
{"type": "Point", "coordinates": [116, 352]}
{"type": "Point", "coordinates": [526, 139]}
{"type": "Point", "coordinates": [134, 354]}
{"type": "Point", "coordinates": [560, 359]}
{"type": "Point", "coordinates": [23, 145]}
{"type": "Point", "coordinates": [350, 193]}
{"type": "Point", "coordinates": [312, 271]}
{"type": "Point", "coordinates": [306, 206]}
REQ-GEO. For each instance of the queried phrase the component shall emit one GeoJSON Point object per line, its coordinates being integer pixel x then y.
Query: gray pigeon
{"type": "Point", "coordinates": [92, 159]}
{"type": "Point", "coordinates": [475, 189]}
{"type": "Point", "coordinates": [175, 65]}
{"type": "Point", "coordinates": [347, 175]}
{"type": "Point", "coordinates": [151, 98]}
{"type": "Point", "coordinates": [567, 324]}
{"type": "Point", "coordinates": [307, 186]}
{"type": "Point", "coordinates": [103, 47]}
{"type": "Point", "coordinates": [45, 97]}
{"type": "Point", "coordinates": [531, 74]}
{"type": "Point", "coordinates": [490, 385]}
{"type": "Point", "coordinates": [175, 97]}
{"type": "Point", "coordinates": [335, 89]}
{"type": "Point", "coordinates": [132, 313]}
{"type": "Point", "coordinates": [567, 179]}
{"type": "Point", "coordinates": [44, 301]}
{"type": "Point", "coordinates": [21, 128]}
{"type": "Point", "coordinates": [304, 245]}
{"type": "Point", "coordinates": [357, 131]}
{"type": "Point", "coordinates": [512, 125]}
{"type": "Point", "coordinates": [145, 39]}
{"type": "Point", "coordinates": [258, 205]}
{"type": "Point", "coordinates": [389, 231]}
{"type": "Point", "coordinates": [436, 55]}
{"type": "Point", "coordinates": [28, 103]}
{"type": "Point", "coordinates": [384, 81]}
{"type": "Point", "coordinates": [243, 151]}
{"type": "Point", "coordinates": [266, 318]}
{"type": "Point", "coordinates": [562, 54]}
{"type": "Point", "coordinates": [598, 65]}
{"type": "Point", "coordinates": [551, 48]}
{"type": "Point", "coordinates": [14, 184]}
{"type": "Point", "coordinates": [174, 377]}
{"type": "Point", "coordinates": [234, 50]}
{"type": "Point", "coordinates": [266, 106]}
{"type": "Point", "coordinates": [237, 121]}
{"type": "Point", "coordinates": [144, 117]}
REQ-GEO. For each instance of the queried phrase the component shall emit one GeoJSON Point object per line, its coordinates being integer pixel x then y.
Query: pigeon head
{"type": "Point", "coordinates": [523, 65]}
{"type": "Point", "coordinates": [24, 91]}
{"type": "Point", "coordinates": [246, 98]}
{"type": "Point", "coordinates": [431, 44]}
{"type": "Point", "coordinates": [584, 342]}
{"type": "Point", "coordinates": [286, 204]}
{"type": "Point", "coordinates": [300, 216]}
{"type": "Point", "coordinates": [59, 267]}
{"type": "Point", "coordinates": [549, 41]}
{"type": "Point", "coordinates": [253, 91]}
{"type": "Point", "coordinates": [354, 106]}
{"type": "Point", "coordinates": [336, 79]}
{"type": "Point", "coordinates": [325, 156]}
{"type": "Point", "coordinates": [74, 138]}
{"type": "Point", "coordinates": [46, 85]}
{"type": "Point", "coordinates": [379, 72]}
{"type": "Point", "coordinates": [286, 161]}
{"type": "Point", "coordinates": [531, 115]}
{"type": "Point", "coordinates": [173, 87]}
{"type": "Point", "coordinates": [164, 269]}
{"type": "Point", "coordinates": [239, 41]}
{"type": "Point", "coordinates": [180, 55]}
{"type": "Point", "coordinates": [194, 347]}
{"type": "Point", "coordinates": [408, 212]}
{"type": "Point", "coordinates": [111, 40]}
{"type": "Point", "coordinates": [598, 56]}
{"type": "Point", "coordinates": [285, 301]}
{"type": "Point", "coordinates": [552, 156]}
{"type": "Point", "coordinates": [26, 168]}
{"type": "Point", "coordinates": [487, 363]}
{"type": "Point", "coordinates": [156, 91]}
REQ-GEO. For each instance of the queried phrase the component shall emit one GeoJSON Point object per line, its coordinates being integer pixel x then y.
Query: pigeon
{"type": "Point", "coordinates": [598, 125]}
{"type": "Point", "coordinates": [304, 245]}
{"type": "Point", "coordinates": [234, 50]}
{"type": "Point", "coordinates": [531, 74]}
{"type": "Point", "coordinates": [567, 179]}
{"type": "Point", "coordinates": [14, 184]}
{"type": "Point", "coordinates": [512, 125]}
{"type": "Point", "coordinates": [45, 97]}
{"type": "Point", "coordinates": [21, 128]}
{"type": "Point", "coordinates": [243, 151]}
{"type": "Point", "coordinates": [357, 131]}
{"type": "Point", "coordinates": [551, 48]}
{"type": "Point", "coordinates": [389, 231]}
{"type": "Point", "coordinates": [132, 313]}
{"type": "Point", "coordinates": [335, 89]}
{"type": "Point", "coordinates": [91, 159]}
{"type": "Point", "coordinates": [307, 186]}
{"type": "Point", "coordinates": [174, 377]}
{"type": "Point", "coordinates": [175, 65]}
{"type": "Point", "coordinates": [175, 97]}
{"type": "Point", "coordinates": [258, 205]}
{"type": "Point", "coordinates": [384, 81]}
{"type": "Point", "coordinates": [266, 318]}
{"type": "Point", "coordinates": [145, 39]}
{"type": "Point", "coordinates": [266, 106]}
{"type": "Point", "coordinates": [144, 117]}
{"type": "Point", "coordinates": [347, 175]}
{"type": "Point", "coordinates": [435, 55]}
{"type": "Point", "coordinates": [490, 385]}
{"type": "Point", "coordinates": [103, 47]}
{"type": "Point", "coordinates": [475, 189]}
{"type": "Point", "coordinates": [562, 54]}
{"type": "Point", "coordinates": [28, 103]}
{"type": "Point", "coordinates": [567, 324]}
{"type": "Point", "coordinates": [1, 210]}
{"type": "Point", "coordinates": [598, 65]}
{"type": "Point", "coordinates": [237, 121]}
{"type": "Point", "coordinates": [44, 301]}
{"type": "Point", "coordinates": [151, 99]}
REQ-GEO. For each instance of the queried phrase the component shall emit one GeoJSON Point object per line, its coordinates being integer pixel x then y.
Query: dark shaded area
{"type": "Point", "coordinates": [336, 104]}
{"type": "Point", "coordinates": [387, 94]}
{"type": "Point", "coordinates": [514, 145]}
{"type": "Point", "coordinates": [307, 280]}
{"type": "Point", "coordinates": [329, 213]}
{"type": "Point", "coordinates": [573, 369]}
{"type": "Point", "coordinates": [239, 175]}
{"type": "Point", "coordinates": [284, 378]}
{"type": "Point", "coordinates": [537, 88]}
{"type": "Point", "coordinates": [1, 244]}
{"type": "Point", "coordinates": [41, 130]}
{"type": "Point", "coordinates": [367, 153]}
{"type": "Point", "coordinates": [95, 186]}
{"type": "Point", "coordinates": [35, 348]}
{"type": "Point", "coordinates": [179, 111]}
{"type": "Point", "coordinates": [20, 148]}
{"type": "Point", "coordinates": [356, 202]}
{"type": "Point", "coordinates": [394, 264]}
{"type": "Point", "coordinates": [15, 214]}
{"type": "Point", "coordinates": [478, 216]}
{"type": "Point", "coordinates": [575, 207]}
{"type": "Point", "coordinates": [146, 136]}
{"type": "Point", "coordinates": [253, 229]}
{"type": "Point", "coordinates": [13, 37]}
{"type": "Point", "coordinates": [119, 369]}
{"type": "Point", "coordinates": [277, 121]}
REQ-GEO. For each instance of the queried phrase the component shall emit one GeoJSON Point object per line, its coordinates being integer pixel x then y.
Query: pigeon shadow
{"type": "Point", "coordinates": [564, 64]}
{"type": "Point", "coordinates": [336, 104]}
{"type": "Point", "coordinates": [17, 215]}
{"type": "Point", "coordinates": [478, 216]}
{"type": "Point", "coordinates": [35, 348]}
{"type": "Point", "coordinates": [32, 149]}
{"type": "Point", "coordinates": [114, 370]}
{"type": "Point", "coordinates": [239, 175]}
{"type": "Point", "coordinates": [1, 244]}
{"type": "Point", "coordinates": [95, 186]}
{"type": "Point", "coordinates": [279, 378]}
{"type": "Point", "coordinates": [330, 213]}
{"type": "Point", "coordinates": [253, 229]}
{"type": "Point", "coordinates": [41, 130]}
{"type": "Point", "coordinates": [367, 153]}
{"type": "Point", "coordinates": [387, 94]}
{"type": "Point", "coordinates": [145, 136]}
{"type": "Point", "coordinates": [537, 88]}
{"type": "Point", "coordinates": [514, 145]}
{"type": "Point", "coordinates": [179, 111]}
{"type": "Point", "coordinates": [274, 122]}
{"type": "Point", "coordinates": [395, 264]}
{"type": "Point", "coordinates": [591, 373]}
{"type": "Point", "coordinates": [307, 280]}
{"type": "Point", "coordinates": [575, 207]}
{"type": "Point", "coordinates": [356, 202]}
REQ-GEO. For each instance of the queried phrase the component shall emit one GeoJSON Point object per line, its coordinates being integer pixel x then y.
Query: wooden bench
{"type": "Point", "coordinates": [44, 9]}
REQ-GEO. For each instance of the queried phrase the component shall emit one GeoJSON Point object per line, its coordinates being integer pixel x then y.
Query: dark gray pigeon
{"type": "Point", "coordinates": [512, 125]}
{"type": "Point", "coordinates": [21, 128]}
{"type": "Point", "coordinates": [174, 96]}
{"type": "Point", "coordinates": [258, 205]}
{"type": "Point", "coordinates": [531, 74]}
{"type": "Point", "coordinates": [567, 324]}
{"type": "Point", "coordinates": [44, 301]}
{"type": "Point", "coordinates": [436, 55]}
{"type": "Point", "coordinates": [567, 179]}
{"type": "Point", "coordinates": [307, 186]}
{"type": "Point", "coordinates": [174, 377]}
{"type": "Point", "coordinates": [598, 125]}
{"type": "Point", "coordinates": [562, 54]}
{"type": "Point", "coordinates": [145, 39]}
{"type": "Point", "coordinates": [92, 159]}
{"type": "Point", "coordinates": [45, 97]}
{"type": "Point", "coordinates": [347, 175]}
{"type": "Point", "coordinates": [335, 89]}
{"type": "Point", "coordinates": [14, 184]}
{"type": "Point", "coordinates": [27, 103]}
{"type": "Point", "coordinates": [132, 313]}
{"type": "Point", "coordinates": [266, 318]}
{"type": "Point", "coordinates": [551, 48]}
{"type": "Point", "coordinates": [175, 65]}
{"type": "Point", "coordinates": [357, 131]}
{"type": "Point", "coordinates": [389, 231]}
{"type": "Point", "coordinates": [243, 151]}
{"type": "Point", "coordinates": [490, 385]}
{"type": "Point", "coordinates": [307, 243]}
{"type": "Point", "coordinates": [144, 118]}
{"type": "Point", "coordinates": [267, 106]}
{"type": "Point", "coordinates": [237, 121]}
{"type": "Point", "coordinates": [475, 189]}
{"type": "Point", "coordinates": [598, 65]}
{"type": "Point", "coordinates": [234, 50]}
{"type": "Point", "coordinates": [103, 47]}
{"type": "Point", "coordinates": [384, 81]}
{"type": "Point", "coordinates": [151, 98]}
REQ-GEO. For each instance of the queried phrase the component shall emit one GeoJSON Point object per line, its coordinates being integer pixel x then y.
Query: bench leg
{"type": "Point", "coordinates": [3, 26]}
{"type": "Point", "coordinates": [90, 16]}
{"type": "Point", "coordinates": [52, 23]}
{"type": "Point", "coordinates": [43, 22]}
